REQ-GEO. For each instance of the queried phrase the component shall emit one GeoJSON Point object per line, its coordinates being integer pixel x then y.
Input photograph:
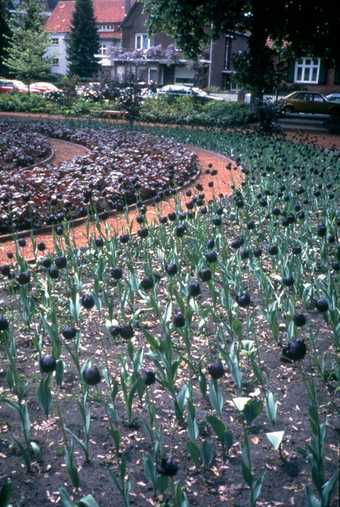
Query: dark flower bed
{"type": "Point", "coordinates": [122, 167]}
{"type": "Point", "coordinates": [21, 148]}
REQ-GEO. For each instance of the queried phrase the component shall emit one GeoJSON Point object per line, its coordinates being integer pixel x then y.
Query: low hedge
{"type": "Point", "coordinates": [188, 111]}
{"type": "Point", "coordinates": [33, 103]}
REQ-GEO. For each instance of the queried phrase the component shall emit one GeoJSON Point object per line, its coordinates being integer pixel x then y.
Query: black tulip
{"type": "Point", "coordinates": [295, 350]}
{"type": "Point", "coordinates": [322, 305]}
{"type": "Point", "coordinates": [211, 257]}
{"type": "Point", "coordinates": [23, 278]}
{"type": "Point", "coordinates": [53, 272]}
{"type": "Point", "coordinates": [216, 370]}
{"type": "Point", "coordinates": [60, 262]}
{"type": "Point", "coordinates": [4, 324]}
{"type": "Point", "coordinates": [147, 283]}
{"type": "Point", "coordinates": [171, 269]}
{"type": "Point", "coordinates": [194, 289]}
{"type": "Point", "coordinates": [126, 331]}
{"type": "Point", "coordinates": [178, 320]}
{"type": "Point", "coordinates": [69, 332]}
{"type": "Point", "coordinates": [87, 301]}
{"type": "Point", "coordinates": [243, 300]}
{"type": "Point", "coordinates": [205, 275]}
{"type": "Point", "coordinates": [47, 363]}
{"type": "Point", "coordinates": [149, 377]}
{"type": "Point", "coordinates": [299, 319]}
{"type": "Point", "coordinates": [91, 375]}
{"type": "Point", "coordinates": [116, 273]}
{"type": "Point", "coordinates": [168, 468]}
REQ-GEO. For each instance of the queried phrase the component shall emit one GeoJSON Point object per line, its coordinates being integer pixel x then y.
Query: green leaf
{"type": "Point", "coordinates": [5, 493]}
{"type": "Point", "coordinates": [88, 501]}
{"type": "Point", "coordinates": [44, 395]}
{"type": "Point", "coordinates": [71, 467]}
{"type": "Point", "coordinates": [328, 488]}
{"type": "Point", "coordinates": [162, 484]}
{"type": "Point", "coordinates": [312, 500]}
{"type": "Point", "coordinates": [194, 452]}
{"type": "Point", "coordinates": [275, 438]}
{"type": "Point", "coordinates": [35, 449]}
{"type": "Point", "coordinates": [257, 487]}
{"type": "Point", "coordinates": [65, 498]}
{"type": "Point", "coordinates": [207, 453]}
{"type": "Point", "coordinates": [271, 407]}
{"type": "Point", "coordinates": [252, 409]}
{"type": "Point", "coordinates": [150, 470]}
{"type": "Point", "coordinates": [182, 397]}
{"type": "Point", "coordinates": [59, 372]}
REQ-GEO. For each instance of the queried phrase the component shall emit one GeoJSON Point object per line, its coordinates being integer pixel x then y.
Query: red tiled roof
{"type": "Point", "coordinates": [105, 11]}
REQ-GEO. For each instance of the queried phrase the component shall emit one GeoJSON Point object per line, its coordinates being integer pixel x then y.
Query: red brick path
{"type": "Point", "coordinates": [222, 184]}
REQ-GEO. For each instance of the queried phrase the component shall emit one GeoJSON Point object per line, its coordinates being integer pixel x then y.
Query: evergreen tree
{"type": "Point", "coordinates": [28, 43]}
{"type": "Point", "coordinates": [4, 32]}
{"type": "Point", "coordinates": [84, 41]}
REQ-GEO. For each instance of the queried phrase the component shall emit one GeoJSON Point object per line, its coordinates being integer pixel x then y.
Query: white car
{"type": "Point", "coordinates": [185, 91]}
{"type": "Point", "coordinates": [42, 87]}
{"type": "Point", "coordinates": [333, 97]}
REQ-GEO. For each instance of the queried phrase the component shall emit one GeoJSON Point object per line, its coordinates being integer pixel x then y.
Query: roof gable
{"type": "Point", "coordinates": [105, 11]}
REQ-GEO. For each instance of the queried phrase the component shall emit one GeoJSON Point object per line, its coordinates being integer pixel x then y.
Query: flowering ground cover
{"type": "Point", "coordinates": [194, 363]}
{"type": "Point", "coordinates": [120, 168]}
{"type": "Point", "coordinates": [21, 148]}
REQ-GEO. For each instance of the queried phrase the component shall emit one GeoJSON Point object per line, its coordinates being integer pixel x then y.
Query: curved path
{"type": "Point", "coordinates": [221, 183]}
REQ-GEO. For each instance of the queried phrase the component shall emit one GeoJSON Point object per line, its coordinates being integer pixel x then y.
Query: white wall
{"type": "Point", "coordinates": [58, 51]}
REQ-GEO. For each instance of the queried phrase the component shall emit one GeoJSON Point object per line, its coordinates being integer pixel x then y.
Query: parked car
{"type": "Point", "coordinates": [333, 97]}
{"type": "Point", "coordinates": [6, 87]}
{"type": "Point", "coordinates": [42, 87]}
{"type": "Point", "coordinates": [185, 91]}
{"type": "Point", "coordinates": [12, 86]}
{"type": "Point", "coordinates": [308, 102]}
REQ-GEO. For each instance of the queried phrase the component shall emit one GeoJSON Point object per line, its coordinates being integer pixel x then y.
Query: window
{"type": "Point", "coordinates": [142, 41]}
{"type": "Point", "coordinates": [55, 61]}
{"type": "Point", "coordinates": [106, 28]}
{"type": "Point", "coordinates": [227, 51]}
{"type": "Point", "coordinates": [55, 41]}
{"type": "Point", "coordinates": [153, 74]}
{"type": "Point", "coordinates": [318, 98]}
{"type": "Point", "coordinates": [103, 49]}
{"type": "Point", "coordinates": [307, 70]}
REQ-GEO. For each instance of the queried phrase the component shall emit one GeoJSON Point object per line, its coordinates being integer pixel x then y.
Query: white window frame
{"type": "Point", "coordinates": [301, 64]}
{"type": "Point", "coordinates": [103, 49]}
{"type": "Point", "coordinates": [140, 36]}
{"type": "Point", "coordinates": [106, 28]}
{"type": "Point", "coordinates": [54, 41]}
{"type": "Point", "coordinates": [55, 61]}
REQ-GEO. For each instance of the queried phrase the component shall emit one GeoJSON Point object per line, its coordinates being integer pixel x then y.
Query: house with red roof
{"type": "Point", "coordinates": [109, 15]}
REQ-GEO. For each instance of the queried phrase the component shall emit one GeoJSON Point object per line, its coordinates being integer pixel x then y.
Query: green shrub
{"type": "Point", "coordinates": [189, 111]}
{"type": "Point", "coordinates": [22, 103]}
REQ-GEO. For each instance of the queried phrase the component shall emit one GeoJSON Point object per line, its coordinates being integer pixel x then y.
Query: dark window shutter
{"type": "Point", "coordinates": [337, 73]}
{"type": "Point", "coordinates": [290, 71]}
{"type": "Point", "coordinates": [322, 73]}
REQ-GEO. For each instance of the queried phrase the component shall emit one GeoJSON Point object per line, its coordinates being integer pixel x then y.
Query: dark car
{"type": "Point", "coordinates": [309, 102]}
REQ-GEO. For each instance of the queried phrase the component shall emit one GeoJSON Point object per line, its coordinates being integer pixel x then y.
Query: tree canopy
{"type": "Point", "coordinates": [84, 41]}
{"type": "Point", "coordinates": [307, 27]}
{"type": "Point", "coordinates": [4, 33]}
{"type": "Point", "coordinates": [26, 52]}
